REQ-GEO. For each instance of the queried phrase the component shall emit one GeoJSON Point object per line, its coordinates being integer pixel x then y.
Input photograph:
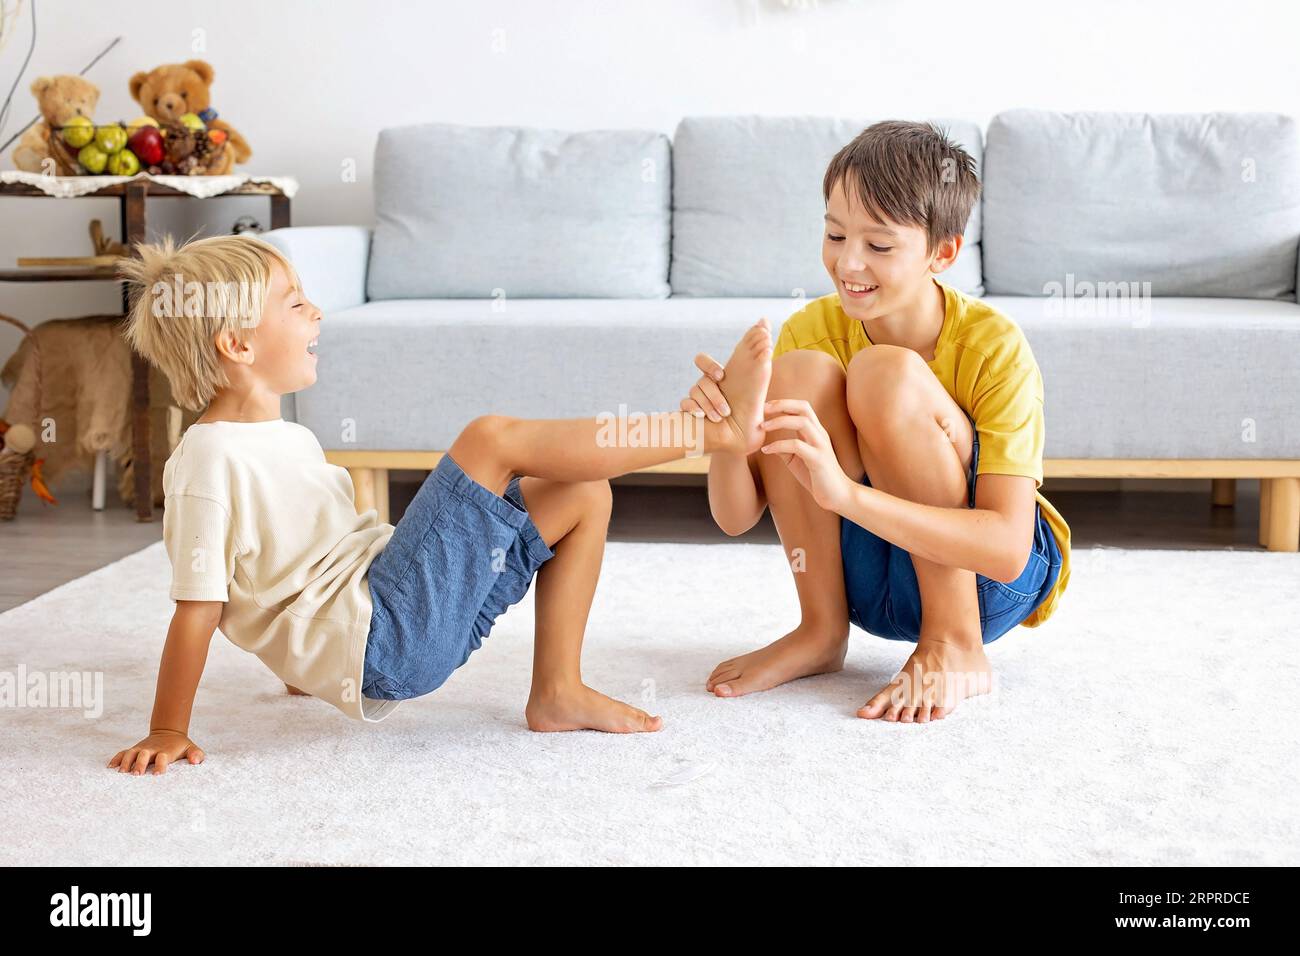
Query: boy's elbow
{"type": "Point", "coordinates": [733, 527]}
{"type": "Point", "coordinates": [734, 530]}
{"type": "Point", "coordinates": [1010, 563]}
{"type": "Point", "coordinates": [200, 613]}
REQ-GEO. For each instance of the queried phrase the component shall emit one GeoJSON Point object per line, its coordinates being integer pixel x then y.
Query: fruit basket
{"type": "Point", "coordinates": [182, 147]}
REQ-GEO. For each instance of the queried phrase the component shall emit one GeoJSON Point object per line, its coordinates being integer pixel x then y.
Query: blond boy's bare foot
{"type": "Point", "coordinates": [805, 651]}
{"type": "Point", "coordinates": [939, 674]}
{"type": "Point", "coordinates": [744, 385]}
{"type": "Point", "coordinates": [581, 708]}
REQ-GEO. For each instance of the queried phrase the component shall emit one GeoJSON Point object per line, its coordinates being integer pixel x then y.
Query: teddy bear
{"type": "Point", "coordinates": [168, 92]}
{"type": "Point", "coordinates": [60, 98]}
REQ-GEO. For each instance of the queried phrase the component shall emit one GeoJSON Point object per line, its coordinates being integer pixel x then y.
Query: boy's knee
{"type": "Point", "coordinates": [886, 383]}
{"type": "Point", "coordinates": [887, 367]}
{"type": "Point", "coordinates": [481, 450]}
{"type": "Point", "coordinates": [802, 372]}
{"type": "Point", "coordinates": [597, 498]}
{"type": "Point", "coordinates": [484, 432]}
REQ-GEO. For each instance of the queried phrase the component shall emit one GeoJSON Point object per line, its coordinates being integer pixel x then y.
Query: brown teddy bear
{"type": "Point", "coordinates": [166, 93]}
{"type": "Point", "coordinates": [60, 98]}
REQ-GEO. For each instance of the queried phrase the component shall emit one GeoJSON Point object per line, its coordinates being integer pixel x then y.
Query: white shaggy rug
{"type": "Point", "coordinates": [1151, 721]}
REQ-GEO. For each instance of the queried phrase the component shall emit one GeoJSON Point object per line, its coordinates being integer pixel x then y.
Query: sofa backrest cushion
{"type": "Point", "coordinates": [510, 212]}
{"type": "Point", "coordinates": [748, 207]}
{"type": "Point", "coordinates": [1196, 204]}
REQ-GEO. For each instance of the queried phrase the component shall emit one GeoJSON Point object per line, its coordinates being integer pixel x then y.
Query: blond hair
{"type": "Point", "coordinates": [182, 297]}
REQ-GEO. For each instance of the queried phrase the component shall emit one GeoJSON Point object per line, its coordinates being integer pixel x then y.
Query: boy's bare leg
{"type": "Point", "coordinates": [494, 448]}
{"type": "Point", "coordinates": [573, 519]}
{"type": "Point", "coordinates": [917, 444]}
{"type": "Point", "coordinates": [810, 536]}
{"type": "Point", "coordinates": [563, 459]}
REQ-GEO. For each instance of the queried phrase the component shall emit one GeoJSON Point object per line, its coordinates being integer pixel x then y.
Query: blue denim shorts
{"type": "Point", "coordinates": [458, 558]}
{"type": "Point", "coordinates": [884, 598]}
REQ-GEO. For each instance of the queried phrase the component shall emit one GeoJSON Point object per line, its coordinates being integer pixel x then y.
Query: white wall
{"type": "Point", "coordinates": [310, 84]}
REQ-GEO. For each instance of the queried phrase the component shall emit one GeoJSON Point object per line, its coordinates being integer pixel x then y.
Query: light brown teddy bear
{"type": "Point", "coordinates": [168, 92]}
{"type": "Point", "coordinates": [60, 98]}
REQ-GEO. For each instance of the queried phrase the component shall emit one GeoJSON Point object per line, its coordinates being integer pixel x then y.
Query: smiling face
{"type": "Point", "coordinates": [283, 344]}
{"type": "Point", "coordinates": [879, 267]}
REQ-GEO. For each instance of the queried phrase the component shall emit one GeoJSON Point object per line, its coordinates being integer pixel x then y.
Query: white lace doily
{"type": "Point", "coordinates": [202, 187]}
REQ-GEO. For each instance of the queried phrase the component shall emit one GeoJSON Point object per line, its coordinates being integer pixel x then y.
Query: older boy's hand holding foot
{"type": "Point", "coordinates": [810, 456]}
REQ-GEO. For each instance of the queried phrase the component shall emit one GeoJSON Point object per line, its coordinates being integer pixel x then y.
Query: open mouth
{"type": "Point", "coordinates": [857, 290]}
{"type": "Point", "coordinates": [311, 346]}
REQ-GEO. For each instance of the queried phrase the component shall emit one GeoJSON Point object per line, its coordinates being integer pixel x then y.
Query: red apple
{"type": "Point", "coordinates": [147, 144]}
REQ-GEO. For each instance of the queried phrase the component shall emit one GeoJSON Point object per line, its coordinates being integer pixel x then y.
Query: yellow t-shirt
{"type": "Point", "coordinates": [984, 362]}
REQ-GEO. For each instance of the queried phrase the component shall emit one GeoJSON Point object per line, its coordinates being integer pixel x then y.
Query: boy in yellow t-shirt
{"type": "Point", "coordinates": [905, 449]}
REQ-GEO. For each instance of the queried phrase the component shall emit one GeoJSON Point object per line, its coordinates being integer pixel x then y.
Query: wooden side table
{"type": "Point", "coordinates": [131, 199]}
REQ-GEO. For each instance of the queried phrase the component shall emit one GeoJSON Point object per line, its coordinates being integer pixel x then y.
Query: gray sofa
{"type": "Point", "coordinates": [1150, 259]}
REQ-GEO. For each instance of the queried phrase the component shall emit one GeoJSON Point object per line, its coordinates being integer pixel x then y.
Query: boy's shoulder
{"type": "Point", "coordinates": [210, 454]}
{"type": "Point", "coordinates": [197, 461]}
{"type": "Point", "coordinates": [815, 321]}
{"type": "Point", "coordinates": [983, 328]}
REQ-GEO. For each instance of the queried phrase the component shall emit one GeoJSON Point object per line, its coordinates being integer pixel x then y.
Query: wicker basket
{"type": "Point", "coordinates": [15, 468]}
{"type": "Point", "coordinates": [187, 152]}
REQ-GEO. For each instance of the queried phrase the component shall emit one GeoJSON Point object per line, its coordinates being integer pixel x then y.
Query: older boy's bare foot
{"type": "Point", "coordinates": [581, 708]}
{"type": "Point", "coordinates": [939, 674]}
{"type": "Point", "coordinates": [744, 385]}
{"type": "Point", "coordinates": [805, 651]}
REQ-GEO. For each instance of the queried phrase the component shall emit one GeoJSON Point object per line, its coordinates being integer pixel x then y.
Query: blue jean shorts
{"type": "Point", "coordinates": [884, 598]}
{"type": "Point", "coordinates": [458, 558]}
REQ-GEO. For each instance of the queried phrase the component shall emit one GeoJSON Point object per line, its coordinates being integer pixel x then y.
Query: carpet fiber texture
{"type": "Point", "coordinates": [1146, 723]}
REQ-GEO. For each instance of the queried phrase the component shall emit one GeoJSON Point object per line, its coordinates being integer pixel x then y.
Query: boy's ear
{"type": "Point", "coordinates": [945, 254]}
{"type": "Point", "coordinates": [230, 346]}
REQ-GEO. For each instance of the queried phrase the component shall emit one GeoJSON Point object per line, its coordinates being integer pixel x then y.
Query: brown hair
{"type": "Point", "coordinates": [910, 173]}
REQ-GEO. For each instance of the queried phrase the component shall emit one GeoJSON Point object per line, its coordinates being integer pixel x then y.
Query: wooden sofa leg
{"type": "Point", "coordinates": [381, 494]}
{"type": "Point", "coordinates": [1283, 522]}
{"type": "Point", "coordinates": [363, 486]}
{"type": "Point", "coordinates": [1223, 492]}
{"type": "Point", "coordinates": [1265, 499]}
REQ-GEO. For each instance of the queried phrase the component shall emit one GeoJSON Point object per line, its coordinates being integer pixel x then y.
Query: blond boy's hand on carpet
{"type": "Point", "coordinates": [158, 749]}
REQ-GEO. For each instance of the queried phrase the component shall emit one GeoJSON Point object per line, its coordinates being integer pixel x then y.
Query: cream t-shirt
{"type": "Point", "coordinates": [254, 516]}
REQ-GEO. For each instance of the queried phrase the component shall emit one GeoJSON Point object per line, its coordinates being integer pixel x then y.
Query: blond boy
{"type": "Point", "coordinates": [265, 542]}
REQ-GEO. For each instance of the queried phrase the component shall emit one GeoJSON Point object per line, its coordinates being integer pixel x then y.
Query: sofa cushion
{"type": "Point", "coordinates": [330, 261]}
{"type": "Point", "coordinates": [411, 374]}
{"type": "Point", "coordinates": [1194, 378]}
{"type": "Point", "coordinates": [477, 212]}
{"type": "Point", "coordinates": [1196, 204]}
{"type": "Point", "coordinates": [747, 205]}
{"type": "Point", "coordinates": [1179, 378]}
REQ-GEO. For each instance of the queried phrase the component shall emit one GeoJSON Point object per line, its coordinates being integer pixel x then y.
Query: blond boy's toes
{"type": "Point", "coordinates": [649, 724]}
{"type": "Point", "coordinates": [723, 672]}
{"type": "Point", "coordinates": [637, 721]}
{"type": "Point", "coordinates": [587, 709]}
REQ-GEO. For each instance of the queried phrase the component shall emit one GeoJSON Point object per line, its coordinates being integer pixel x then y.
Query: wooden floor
{"type": "Point", "coordinates": [48, 546]}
